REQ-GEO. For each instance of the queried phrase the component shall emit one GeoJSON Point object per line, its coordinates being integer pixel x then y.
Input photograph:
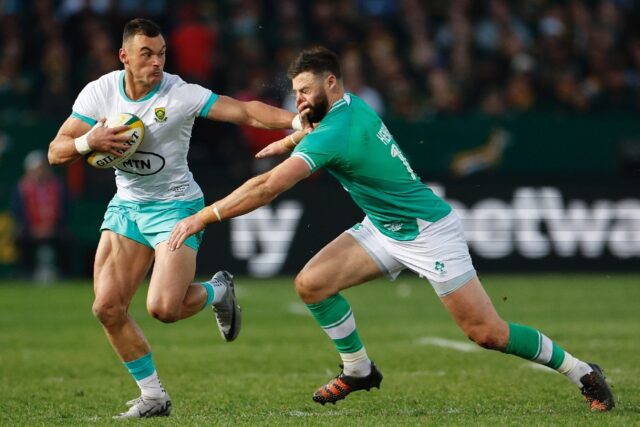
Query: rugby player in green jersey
{"type": "Point", "coordinates": [405, 226]}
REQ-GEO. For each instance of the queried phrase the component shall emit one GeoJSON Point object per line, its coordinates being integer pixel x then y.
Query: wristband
{"type": "Point", "coordinates": [82, 145]}
{"type": "Point", "coordinates": [296, 123]}
{"type": "Point", "coordinates": [293, 142]}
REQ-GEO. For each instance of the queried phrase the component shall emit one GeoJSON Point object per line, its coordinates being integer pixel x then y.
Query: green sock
{"type": "Point", "coordinates": [531, 344]}
{"type": "Point", "coordinates": [335, 317]}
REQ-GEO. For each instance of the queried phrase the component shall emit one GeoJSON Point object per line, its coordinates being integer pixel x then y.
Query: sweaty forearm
{"type": "Point", "coordinates": [249, 196]}
{"type": "Point", "coordinates": [265, 116]}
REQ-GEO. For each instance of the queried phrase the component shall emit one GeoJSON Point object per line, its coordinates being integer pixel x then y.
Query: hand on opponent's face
{"type": "Point", "coordinates": [305, 109]}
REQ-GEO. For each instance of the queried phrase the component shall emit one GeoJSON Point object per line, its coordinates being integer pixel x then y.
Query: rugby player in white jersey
{"type": "Point", "coordinates": [155, 190]}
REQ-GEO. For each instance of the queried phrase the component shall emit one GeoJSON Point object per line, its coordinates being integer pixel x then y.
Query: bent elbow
{"type": "Point", "coordinates": [54, 156]}
{"type": "Point", "coordinates": [54, 160]}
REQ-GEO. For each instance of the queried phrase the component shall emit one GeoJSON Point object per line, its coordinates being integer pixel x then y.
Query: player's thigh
{"type": "Point", "coordinates": [339, 265]}
{"type": "Point", "coordinates": [120, 265]}
{"type": "Point", "coordinates": [470, 303]}
{"type": "Point", "coordinates": [173, 272]}
{"type": "Point", "coordinates": [475, 314]}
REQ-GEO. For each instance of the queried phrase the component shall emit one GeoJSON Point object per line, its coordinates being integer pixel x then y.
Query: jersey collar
{"type": "Point", "coordinates": [144, 98]}
{"type": "Point", "coordinates": [345, 100]}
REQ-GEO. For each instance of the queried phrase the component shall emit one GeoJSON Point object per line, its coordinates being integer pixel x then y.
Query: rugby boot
{"type": "Point", "coordinates": [145, 407]}
{"type": "Point", "coordinates": [339, 387]}
{"type": "Point", "coordinates": [227, 312]}
{"type": "Point", "coordinates": [596, 390]}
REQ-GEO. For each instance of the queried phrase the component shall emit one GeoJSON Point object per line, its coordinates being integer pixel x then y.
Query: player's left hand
{"type": "Point", "coordinates": [185, 228]}
{"type": "Point", "coordinates": [274, 149]}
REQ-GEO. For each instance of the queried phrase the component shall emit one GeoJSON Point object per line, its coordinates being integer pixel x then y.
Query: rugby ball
{"type": "Point", "coordinates": [135, 133]}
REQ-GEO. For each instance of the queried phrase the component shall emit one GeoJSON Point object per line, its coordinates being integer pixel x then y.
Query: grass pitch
{"type": "Point", "coordinates": [56, 367]}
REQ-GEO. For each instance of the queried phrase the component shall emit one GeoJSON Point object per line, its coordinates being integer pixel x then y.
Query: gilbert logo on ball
{"type": "Point", "coordinates": [135, 133]}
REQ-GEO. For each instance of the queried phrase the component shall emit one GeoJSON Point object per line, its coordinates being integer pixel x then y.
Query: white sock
{"type": "Point", "coordinates": [574, 369]}
{"type": "Point", "coordinates": [219, 290]}
{"type": "Point", "coordinates": [151, 386]}
{"type": "Point", "coordinates": [356, 364]}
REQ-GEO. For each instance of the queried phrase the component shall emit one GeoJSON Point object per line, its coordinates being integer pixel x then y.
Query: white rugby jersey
{"type": "Point", "coordinates": [158, 171]}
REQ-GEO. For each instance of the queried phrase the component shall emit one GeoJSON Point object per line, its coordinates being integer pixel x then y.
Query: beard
{"type": "Point", "coordinates": [319, 110]}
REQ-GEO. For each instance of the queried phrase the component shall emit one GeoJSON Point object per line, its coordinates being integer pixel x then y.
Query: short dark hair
{"type": "Point", "coordinates": [142, 26]}
{"type": "Point", "coordinates": [317, 60]}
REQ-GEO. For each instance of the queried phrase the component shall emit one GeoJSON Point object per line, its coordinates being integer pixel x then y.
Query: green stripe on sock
{"type": "Point", "coordinates": [523, 341]}
{"type": "Point", "coordinates": [339, 322]}
{"type": "Point", "coordinates": [329, 311]}
{"type": "Point", "coordinates": [333, 312]}
{"type": "Point", "coordinates": [349, 344]}
{"type": "Point", "coordinates": [557, 357]}
{"type": "Point", "coordinates": [141, 368]}
{"type": "Point", "coordinates": [539, 346]}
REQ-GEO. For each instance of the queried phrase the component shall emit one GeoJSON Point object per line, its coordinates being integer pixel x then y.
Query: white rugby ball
{"type": "Point", "coordinates": [135, 133]}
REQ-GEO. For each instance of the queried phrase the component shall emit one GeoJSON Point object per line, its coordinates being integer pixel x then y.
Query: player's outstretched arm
{"type": "Point", "coordinates": [256, 192]}
{"type": "Point", "coordinates": [76, 138]}
{"type": "Point", "coordinates": [281, 146]}
{"type": "Point", "coordinates": [253, 113]}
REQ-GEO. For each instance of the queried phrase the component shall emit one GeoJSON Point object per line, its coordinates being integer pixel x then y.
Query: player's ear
{"type": "Point", "coordinates": [122, 54]}
{"type": "Point", "coordinates": [330, 81]}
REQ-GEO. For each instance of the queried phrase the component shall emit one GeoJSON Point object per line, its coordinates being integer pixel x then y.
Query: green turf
{"type": "Point", "coordinates": [56, 367]}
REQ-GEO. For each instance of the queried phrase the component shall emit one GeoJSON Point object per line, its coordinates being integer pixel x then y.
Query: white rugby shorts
{"type": "Point", "coordinates": [439, 252]}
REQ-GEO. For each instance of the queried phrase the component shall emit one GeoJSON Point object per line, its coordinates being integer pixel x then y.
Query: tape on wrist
{"type": "Point", "coordinates": [82, 144]}
{"type": "Point", "coordinates": [296, 123]}
{"type": "Point", "coordinates": [214, 208]}
{"type": "Point", "coordinates": [293, 141]}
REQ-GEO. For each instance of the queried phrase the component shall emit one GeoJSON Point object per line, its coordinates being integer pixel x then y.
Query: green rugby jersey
{"type": "Point", "coordinates": [353, 145]}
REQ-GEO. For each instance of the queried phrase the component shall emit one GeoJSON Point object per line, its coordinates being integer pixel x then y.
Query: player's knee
{"type": "Point", "coordinates": [109, 313]}
{"type": "Point", "coordinates": [308, 289]}
{"type": "Point", "coordinates": [166, 313]}
{"type": "Point", "coordinates": [485, 336]}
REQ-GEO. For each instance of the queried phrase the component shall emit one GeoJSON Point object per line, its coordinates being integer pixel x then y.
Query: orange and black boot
{"type": "Point", "coordinates": [596, 390]}
{"type": "Point", "coordinates": [339, 387]}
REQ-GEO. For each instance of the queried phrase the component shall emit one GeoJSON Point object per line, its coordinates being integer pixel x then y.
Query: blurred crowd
{"type": "Point", "coordinates": [407, 58]}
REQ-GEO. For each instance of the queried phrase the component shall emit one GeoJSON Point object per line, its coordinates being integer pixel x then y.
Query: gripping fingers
{"type": "Point", "coordinates": [304, 118]}
{"type": "Point", "coordinates": [116, 130]}
{"type": "Point", "coordinates": [178, 236]}
{"type": "Point", "coordinates": [118, 149]}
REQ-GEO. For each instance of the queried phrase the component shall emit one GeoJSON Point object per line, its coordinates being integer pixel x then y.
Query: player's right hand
{"type": "Point", "coordinates": [107, 140]}
{"type": "Point", "coordinates": [183, 229]}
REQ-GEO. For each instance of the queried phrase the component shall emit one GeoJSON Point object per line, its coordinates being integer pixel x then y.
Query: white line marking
{"type": "Point", "coordinates": [445, 343]}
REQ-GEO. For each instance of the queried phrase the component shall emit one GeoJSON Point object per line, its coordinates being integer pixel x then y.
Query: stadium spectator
{"type": "Point", "coordinates": [565, 46]}
{"type": "Point", "coordinates": [256, 139]}
{"type": "Point", "coordinates": [193, 44]}
{"type": "Point", "coordinates": [354, 80]}
{"type": "Point", "coordinates": [55, 94]}
{"type": "Point", "coordinates": [41, 211]}
{"type": "Point", "coordinates": [16, 82]}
